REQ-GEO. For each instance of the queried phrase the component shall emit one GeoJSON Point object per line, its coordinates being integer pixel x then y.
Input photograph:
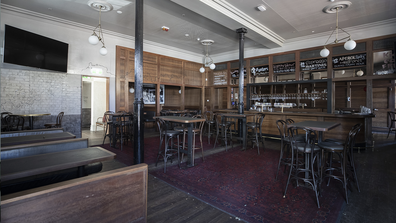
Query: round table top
{"type": "Point", "coordinates": [32, 114]}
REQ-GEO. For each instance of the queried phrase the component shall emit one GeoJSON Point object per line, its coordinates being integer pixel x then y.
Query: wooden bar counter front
{"type": "Point", "coordinates": [340, 132]}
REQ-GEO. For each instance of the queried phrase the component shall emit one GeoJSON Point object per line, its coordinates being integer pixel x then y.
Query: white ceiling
{"type": "Point", "coordinates": [283, 19]}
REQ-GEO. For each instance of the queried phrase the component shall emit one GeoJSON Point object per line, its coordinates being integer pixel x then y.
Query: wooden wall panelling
{"type": "Point", "coordinates": [171, 75]}
{"type": "Point", "coordinates": [340, 95]}
{"type": "Point", "coordinates": [150, 73]}
{"type": "Point", "coordinates": [192, 76]}
{"type": "Point", "coordinates": [172, 97]}
{"type": "Point", "coordinates": [122, 55]}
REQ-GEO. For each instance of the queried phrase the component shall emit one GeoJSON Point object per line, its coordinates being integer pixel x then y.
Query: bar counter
{"type": "Point", "coordinates": [347, 122]}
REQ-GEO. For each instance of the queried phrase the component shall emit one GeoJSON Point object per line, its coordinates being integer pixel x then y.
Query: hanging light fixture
{"type": "Point", "coordinates": [207, 61]}
{"type": "Point", "coordinates": [349, 44]}
{"type": "Point", "coordinates": [97, 35]}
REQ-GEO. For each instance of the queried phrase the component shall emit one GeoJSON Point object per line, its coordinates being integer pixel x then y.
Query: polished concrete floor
{"type": "Point", "coordinates": [375, 203]}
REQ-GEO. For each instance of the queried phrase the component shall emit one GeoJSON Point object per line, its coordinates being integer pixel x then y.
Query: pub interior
{"type": "Point", "coordinates": [305, 136]}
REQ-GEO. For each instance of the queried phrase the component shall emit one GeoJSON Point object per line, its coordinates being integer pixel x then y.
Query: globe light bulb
{"type": "Point", "coordinates": [202, 70]}
{"type": "Point", "coordinates": [324, 52]}
{"type": "Point", "coordinates": [212, 66]}
{"type": "Point", "coordinates": [103, 51]}
{"type": "Point", "coordinates": [350, 45]}
{"type": "Point", "coordinates": [93, 40]}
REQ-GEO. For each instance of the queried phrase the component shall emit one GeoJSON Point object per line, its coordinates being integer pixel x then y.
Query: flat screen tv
{"type": "Point", "coordinates": [29, 49]}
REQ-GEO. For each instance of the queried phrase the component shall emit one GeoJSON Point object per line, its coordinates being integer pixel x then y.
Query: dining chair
{"type": "Point", "coordinates": [108, 116]}
{"type": "Point", "coordinates": [4, 125]}
{"type": "Point", "coordinates": [123, 128]}
{"type": "Point", "coordinates": [14, 122]}
{"type": "Point", "coordinates": [391, 122]}
{"type": "Point", "coordinates": [166, 137]}
{"type": "Point", "coordinates": [58, 123]}
{"type": "Point", "coordinates": [285, 145]}
{"type": "Point", "coordinates": [304, 156]}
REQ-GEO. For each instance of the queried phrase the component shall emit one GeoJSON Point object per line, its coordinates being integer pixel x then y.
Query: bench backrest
{"type": "Point", "coordinates": [113, 196]}
{"type": "Point", "coordinates": [31, 132]}
{"type": "Point", "coordinates": [15, 151]}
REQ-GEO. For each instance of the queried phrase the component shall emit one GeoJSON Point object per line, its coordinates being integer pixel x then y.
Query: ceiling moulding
{"type": "Point", "coordinates": [229, 10]}
{"type": "Point", "coordinates": [366, 31]}
{"type": "Point", "coordinates": [149, 46]}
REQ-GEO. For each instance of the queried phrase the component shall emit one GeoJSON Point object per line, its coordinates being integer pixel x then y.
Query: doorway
{"type": "Point", "coordinates": [95, 101]}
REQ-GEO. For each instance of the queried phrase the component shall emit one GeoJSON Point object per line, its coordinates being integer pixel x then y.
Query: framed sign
{"type": "Point", "coordinates": [235, 73]}
{"type": "Point", "coordinates": [220, 77]}
{"type": "Point", "coordinates": [349, 61]}
{"type": "Point", "coordinates": [318, 64]}
{"type": "Point", "coordinates": [149, 94]}
{"type": "Point", "coordinates": [258, 71]}
{"type": "Point", "coordinates": [384, 62]}
{"type": "Point", "coordinates": [284, 67]}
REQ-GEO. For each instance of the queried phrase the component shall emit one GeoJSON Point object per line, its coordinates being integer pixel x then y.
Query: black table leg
{"type": "Point", "coordinates": [31, 122]}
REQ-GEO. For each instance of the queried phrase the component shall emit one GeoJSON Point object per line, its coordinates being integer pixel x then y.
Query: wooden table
{"type": "Point", "coordinates": [31, 117]}
{"type": "Point", "coordinates": [45, 163]}
{"type": "Point", "coordinates": [8, 141]}
{"type": "Point", "coordinates": [189, 121]}
{"type": "Point", "coordinates": [317, 126]}
{"type": "Point", "coordinates": [241, 128]}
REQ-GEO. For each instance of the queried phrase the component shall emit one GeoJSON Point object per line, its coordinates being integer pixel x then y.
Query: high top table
{"type": "Point", "coordinates": [12, 169]}
{"type": "Point", "coordinates": [242, 132]}
{"type": "Point", "coordinates": [189, 121]}
{"type": "Point", "coordinates": [31, 117]}
{"type": "Point", "coordinates": [317, 126]}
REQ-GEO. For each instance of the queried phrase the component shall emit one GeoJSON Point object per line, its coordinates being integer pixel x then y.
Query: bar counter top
{"type": "Point", "coordinates": [314, 114]}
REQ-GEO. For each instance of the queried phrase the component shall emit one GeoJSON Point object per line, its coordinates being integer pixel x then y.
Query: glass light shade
{"type": "Point", "coordinates": [131, 90]}
{"type": "Point", "coordinates": [93, 40]}
{"type": "Point", "coordinates": [324, 52]}
{"type": "Point", "coordinates": [360, 73]}
{"type": "Point", "coordinates": [103, 51]}
{"type": "Point", "coordinates": [202, 70]}
{"type": "Point", "coordinates": [212, 66]}
{"type": "Point", "coordinates": [350, 45]}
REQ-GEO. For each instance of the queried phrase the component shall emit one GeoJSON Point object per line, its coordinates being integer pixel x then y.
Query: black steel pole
{"type": "Point", "coordinates": [241, 32]}
{"type": "Point", "coordinates": [138, 123]}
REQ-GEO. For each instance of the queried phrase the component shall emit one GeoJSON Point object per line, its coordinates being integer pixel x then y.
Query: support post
{"type": "Point", "coordinates": [241, 32]}
{"type": "Point", "coordinates": [241, 127]}
{"type": "Point", "coordinates": [138, 123]}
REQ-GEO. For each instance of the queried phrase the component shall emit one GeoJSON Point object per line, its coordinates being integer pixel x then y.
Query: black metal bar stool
{"type": "Point", "coordinates": [167, 136]}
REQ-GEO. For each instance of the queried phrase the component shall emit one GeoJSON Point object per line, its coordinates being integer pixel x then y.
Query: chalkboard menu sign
{"type": "Point", "coordinates": [220, 77]}
{"type": "Point", "coordinates": [235, 73]}
{"type": "Point", "coordinates": [284, 67]}
{"type": "Point", "coordinates": [317, 64]}
{"type": "Point", "coordinates": [257, 71]}
{"type": "Point", "coordinates": [350, 60]}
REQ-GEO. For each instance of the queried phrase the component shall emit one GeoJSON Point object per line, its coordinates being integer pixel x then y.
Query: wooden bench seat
{"type": "Point", "coordinates": [31, 132]}
{"type": "Point", "coordinates": [15, 151]}
{"type": "Point", "coordinates": [114, 196]}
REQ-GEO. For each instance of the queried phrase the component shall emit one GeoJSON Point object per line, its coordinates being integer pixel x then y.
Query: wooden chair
{"type": "Point", "coordinates": [108, 116]}
{"type": "Point", "coordinates": [100, 121]}
{"type": "Point", "coordinates": [197, 130]}
{"type": "Point", "coordinates": [256, 134]}
{"type": "Point", "coordinates": [58, 123]}
{"type": "Point", "coordinates": [391, 123]}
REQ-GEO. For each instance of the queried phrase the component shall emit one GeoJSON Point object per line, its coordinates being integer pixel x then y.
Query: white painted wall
{"type": "Point", "coordinates": [98, 105]}
{"type": "Point", "coordinates": [86, 94]}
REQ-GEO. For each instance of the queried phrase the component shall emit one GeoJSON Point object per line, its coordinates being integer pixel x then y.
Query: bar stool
{"type": "Point", "coordinates": [222, 129]}
{"type": "Point", "coordinates": [210, 122]}
{"type": "Point", "coordinates": [197, 130]}
{"type": "Point", "coordinates": [167, 136]}
{"type": "Point", "coordinates": [345, 153]}
{"type": "Point", "coordinates": [256, 134]}
{"type": "Point", "coordinates": [391, 122]}
{"type": "Point", "coordinates": [311, 154]}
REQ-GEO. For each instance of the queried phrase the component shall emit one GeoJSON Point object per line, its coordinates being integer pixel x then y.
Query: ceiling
{"type": "Point", "coordinates": [217, 19]}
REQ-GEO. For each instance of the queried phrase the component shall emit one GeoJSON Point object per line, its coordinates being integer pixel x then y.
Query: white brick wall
{"type": "Point", "coordinates": [25, 91]}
